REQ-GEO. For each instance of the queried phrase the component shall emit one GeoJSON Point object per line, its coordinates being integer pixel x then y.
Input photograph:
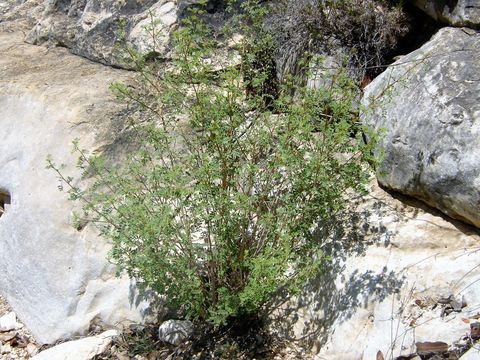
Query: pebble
{"type": "Point", "coordinates": [8, 322]}
{"type": "Point", "coordinates": [14, 344]}
{"type": "Point", "coordinates": [175, 332]}
{"type": "Point", "coordinates": [4, 337]}
{"type": "Point", "coordinates": [32, 349]}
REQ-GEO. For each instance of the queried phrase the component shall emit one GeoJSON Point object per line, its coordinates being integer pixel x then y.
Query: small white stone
{"type": "Point", "coordinates": [175, 331]}
{"type": "Point", "coordinates": [83, 349]}
{"type": "Point", "coordinates": [9, 322]}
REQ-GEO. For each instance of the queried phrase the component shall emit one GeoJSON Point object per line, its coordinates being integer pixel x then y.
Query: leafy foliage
{"type": "Point", "coordinates": [217, 208]}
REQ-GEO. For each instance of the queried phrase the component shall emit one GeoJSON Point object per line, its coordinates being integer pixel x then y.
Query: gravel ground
{"type": "Point", "coordinates": [17, 343]}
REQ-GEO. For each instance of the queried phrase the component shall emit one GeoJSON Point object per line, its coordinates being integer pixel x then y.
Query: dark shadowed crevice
{"type": "Point", "coordinates": [422, 28]}
{"type": "Point", "coordinates": [5, 201]}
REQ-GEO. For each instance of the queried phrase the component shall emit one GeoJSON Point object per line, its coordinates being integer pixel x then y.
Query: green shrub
{"type": "Point", "coordinates": [217, 208]}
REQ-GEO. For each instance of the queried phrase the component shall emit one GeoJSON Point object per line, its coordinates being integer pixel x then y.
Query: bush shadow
{"type": "Point", "coordinates": [335, 295]}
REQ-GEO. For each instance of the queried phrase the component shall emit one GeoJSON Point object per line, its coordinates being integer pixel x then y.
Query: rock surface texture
{"type": "Point", "coordinates": [453, 12]}
{"type": "Point", "coordinates": [91, 28]}
{"type": "Point", "coordinates": [94, 28]}
{"type": "Point", "coordinates": [400, 275]}
{"type": "Point", "coordinates": [428, 105]}
{"type": "Point", "coordinates": [55, 277]}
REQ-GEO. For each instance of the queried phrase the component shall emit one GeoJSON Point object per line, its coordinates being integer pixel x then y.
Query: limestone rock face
{"type": "Point", "coordinates": [400, 274]}
{"type": "Point", "coordinates": [456, 13]}
{"type": "Point", "coordinates": [20, 14]}
{"type": "Point", "coordinates": [92, 28]}
{"type": "Point", "coordinates": [56, 278]}
{"type": "Point", "coordinates": [428, 107]}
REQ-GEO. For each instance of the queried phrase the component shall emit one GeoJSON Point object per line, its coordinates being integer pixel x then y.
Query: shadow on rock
{"type": "Point", "coordinates": [337, 294]}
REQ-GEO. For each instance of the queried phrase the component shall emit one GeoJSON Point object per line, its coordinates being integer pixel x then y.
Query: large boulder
{"type": "Point", "coordinates": [55, 277]}
{"type": "Point", "coordinates": [91, 28]}
{"type": "Point", "coordinates": [427, 108]}
{"type": "Point", "coordinates": [94, 28]}
{"type": "Point", "coordinates": [452, 12]}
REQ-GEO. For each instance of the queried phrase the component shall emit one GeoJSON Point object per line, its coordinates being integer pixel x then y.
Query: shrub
{"type": "Point", "coordinates": [366, 30]}
{"type": "Point", "coordinates": [217, 208]}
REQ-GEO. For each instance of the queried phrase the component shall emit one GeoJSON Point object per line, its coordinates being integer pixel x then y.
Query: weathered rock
{"type": "Point", "coordinates": [428, 105]}
{"type": "Point", "coordinates": [20, 14]}
{"type": "Point", "coordinates": [452, 12]}
{"type": "Point", "coordinates": [175, 331]}
{"type": "Point", "coordinates": [391, 262]}
{"type": "Point", "coordinates": [7, 336]}
{"type": "Point", "coordinates": [83, 349]}
{"type": "Point", "coordinates": [56, 278]}
{"type": "Point", "coordinates": [19, 340]}
{"type": "Point", "coordinates": [92, 28]}
{"type": "Point", "coordinates": [5, 349]}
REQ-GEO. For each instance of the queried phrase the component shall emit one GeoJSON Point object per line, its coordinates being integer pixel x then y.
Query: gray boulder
{"type": "Point", "coordinates": [456, 13]}
{"type": "Point", "coordinates": [428, 105]}
{"type": "Point", "coordinates": [92, 28]}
